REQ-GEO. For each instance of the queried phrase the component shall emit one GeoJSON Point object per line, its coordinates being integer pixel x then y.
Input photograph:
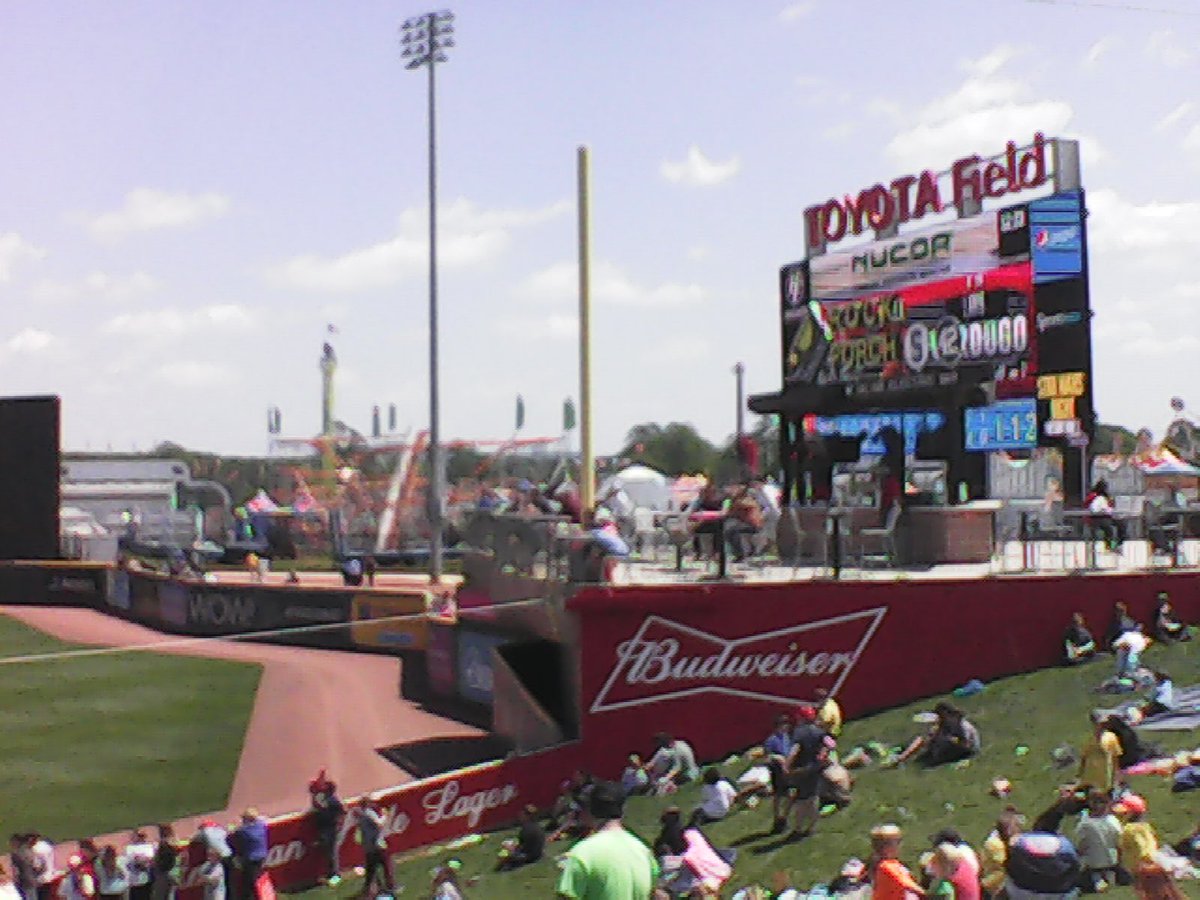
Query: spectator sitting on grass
{"type": "Point", "coordinates": [1121, 623]}
{"type": "Point", "coordinates": [634, 779]}
{"type": "Point", "coordinates": [995, 851]}
{"type": "Point", "coordinates": [945, 863]}
{"type": "Point", "coordinates": [1167, 628]}
{"type": "Point", "coordinates": [965, 873]}
{"type": "Point", "coordinates": [688, 862]}
{"type": "Point", "coordinates": [673, 763]}
{"type": "Point", "coordinates": [1162, 699]}
{"type": "Point", "coordinates": [717, 797]}
{"type": "Point", "coordinates": [1041, 865]}
{"type": "Point", "coordinates": [446, 885]}
{"type": "Point", "coordinates": [1129, 648]}
{"type": "Point", "coordinates": [528, 845]}
{"type": "Point", "coordinates": [1078, 644]}
{"type": "Point", "coordinates": [952, 738]}
{"type": "Point", "coordinates": [1138, 850]}
{"type": "Point", "coordinates": [670, 841]}
{"type": "Point", "coordinates": [568, 815]}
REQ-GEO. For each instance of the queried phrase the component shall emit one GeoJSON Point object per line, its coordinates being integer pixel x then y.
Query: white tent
{"type": "Point", "coordinates": [644, 486]}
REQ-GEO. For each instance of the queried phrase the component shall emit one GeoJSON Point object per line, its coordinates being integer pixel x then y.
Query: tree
{"type": "Point", "coordinates": [674, 449]}
{"type": "Point", "coordinates": [1114, 439]}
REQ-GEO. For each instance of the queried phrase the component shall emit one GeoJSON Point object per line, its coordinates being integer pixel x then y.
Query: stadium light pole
{"type": "Point", "coordinates": [425, 40]}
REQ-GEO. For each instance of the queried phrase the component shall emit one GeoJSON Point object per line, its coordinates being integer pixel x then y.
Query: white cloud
{"type": "Point", "coordinates": [148, 209]}
{"type": "Point", "coordinates": [1191, 140]}
{"type": "Point", "coordinates": [697, 170]}
{"type": "Point", "coordinates": [194, 374]}
{"type": "Point", "coordinates": [560, 283]}
{"type": "Point", "coordinates": [15, 250]}
{"type": "Point", "coordinates": [796, 11]}
{"type": "Point", "coordinates": [97, 284]}
{"type": "Point", "coordinates": [1145, 233]}
{"type": "Point", "coordinates": [170, 322]}
{"type": "Point", "coordinates": [985, 110]}
{"type": "Point", "coordinates": [30, 341]}
{"type": "Point", "coordinates": [1097, 51]}
{"type": "Point", "coordinates": [467, 235]}
{"type": "Point", "coordinates": [1175, 116]}
{"type": "Point", "coordinates": [698, 253]}
{"type": "Point", "coordinates": [993, 62]}
{"type": "Point", "coordinates": [1163, 46]}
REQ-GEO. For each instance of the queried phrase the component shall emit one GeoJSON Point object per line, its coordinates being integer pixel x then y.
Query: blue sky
{"type": "Point", "coordinates": [192, 191]}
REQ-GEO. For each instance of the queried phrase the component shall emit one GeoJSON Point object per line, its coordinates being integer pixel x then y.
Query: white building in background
{"type": "Point", "coordinates": [152, 499]}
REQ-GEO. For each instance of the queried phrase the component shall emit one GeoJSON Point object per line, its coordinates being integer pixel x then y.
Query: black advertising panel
{"type": "Point", "coordinates": [29, 477]}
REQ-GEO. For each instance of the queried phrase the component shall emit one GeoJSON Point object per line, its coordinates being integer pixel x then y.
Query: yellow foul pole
{"type": "Point", "coordinates": [587, 463]}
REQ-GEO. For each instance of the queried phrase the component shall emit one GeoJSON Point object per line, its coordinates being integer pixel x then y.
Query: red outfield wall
{"type": "Point", "coordinates": [714, 664]}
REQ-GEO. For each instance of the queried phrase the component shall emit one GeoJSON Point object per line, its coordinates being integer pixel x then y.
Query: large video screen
{"type": "Point", "coordinates": [993, 300]}
{"type": "Point", "coordinates": [926, 335]}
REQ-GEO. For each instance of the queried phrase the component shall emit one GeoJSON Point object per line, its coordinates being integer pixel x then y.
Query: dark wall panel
{"type": "Point", "coordinates": [29, 477]}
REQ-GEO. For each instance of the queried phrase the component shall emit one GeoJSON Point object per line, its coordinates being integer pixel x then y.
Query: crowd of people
{"type": "Point", "coordinates": [1095, 833]}
{"type": "Point", "coordinates": [230, 865]}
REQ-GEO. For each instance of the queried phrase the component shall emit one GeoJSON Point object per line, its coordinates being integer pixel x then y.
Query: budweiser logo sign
{"type": "Point", "coordinates": [665, 660]}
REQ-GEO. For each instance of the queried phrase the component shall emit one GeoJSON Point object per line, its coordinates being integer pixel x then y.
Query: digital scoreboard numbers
{"type": "Point", "coordinates": [1007, 425]}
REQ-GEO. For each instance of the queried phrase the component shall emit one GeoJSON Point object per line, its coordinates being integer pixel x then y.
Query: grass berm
{"type": "Point", "coordinates": [1039, 711]}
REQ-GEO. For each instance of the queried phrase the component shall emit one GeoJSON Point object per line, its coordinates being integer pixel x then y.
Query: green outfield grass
{"type": "Point", "coordinates": [96, 744]}
{"type": "Point", "coordinates": [1039, 711]}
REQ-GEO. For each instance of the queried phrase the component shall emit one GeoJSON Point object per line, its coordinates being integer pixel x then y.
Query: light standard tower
{"type": "Point", "coordinates": [425, 39]}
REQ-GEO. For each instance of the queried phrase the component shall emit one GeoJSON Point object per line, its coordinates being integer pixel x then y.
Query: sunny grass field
{"type": "Point", "coordinates": [99, 744]}
{"type": "Point", "coordinates": [1038, 711]}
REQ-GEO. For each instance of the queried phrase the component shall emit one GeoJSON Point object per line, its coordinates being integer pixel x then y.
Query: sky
{"type": "Point", "coordinates": [191, 193]}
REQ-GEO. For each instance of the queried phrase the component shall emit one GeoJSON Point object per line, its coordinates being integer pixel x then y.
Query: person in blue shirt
{"type": "Point", "coordinates": [251, 845]}
{"type": "Point", "coordinates": [777, 748]}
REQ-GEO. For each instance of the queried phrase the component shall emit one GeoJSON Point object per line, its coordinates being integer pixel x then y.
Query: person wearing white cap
{"type": "Point", "coordinates": [78, 883]}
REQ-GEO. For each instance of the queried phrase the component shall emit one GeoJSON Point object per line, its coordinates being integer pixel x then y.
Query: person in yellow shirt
{"type": "Point", "coordinates": [1138, 850]}
{"type": "Point", "coordinates": [1100, 757]}
{"type": "Point", "coordinates": [992, 863]}
{"type": "Point", "coordinates": [829, 714]}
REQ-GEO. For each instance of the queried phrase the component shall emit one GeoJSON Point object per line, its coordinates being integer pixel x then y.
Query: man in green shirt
{"type": "Point", "coordinates": [612, 863]}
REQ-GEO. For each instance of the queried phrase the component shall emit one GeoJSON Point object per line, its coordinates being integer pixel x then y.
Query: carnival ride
{"type": "Point", "coordinates": [368, 495]}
